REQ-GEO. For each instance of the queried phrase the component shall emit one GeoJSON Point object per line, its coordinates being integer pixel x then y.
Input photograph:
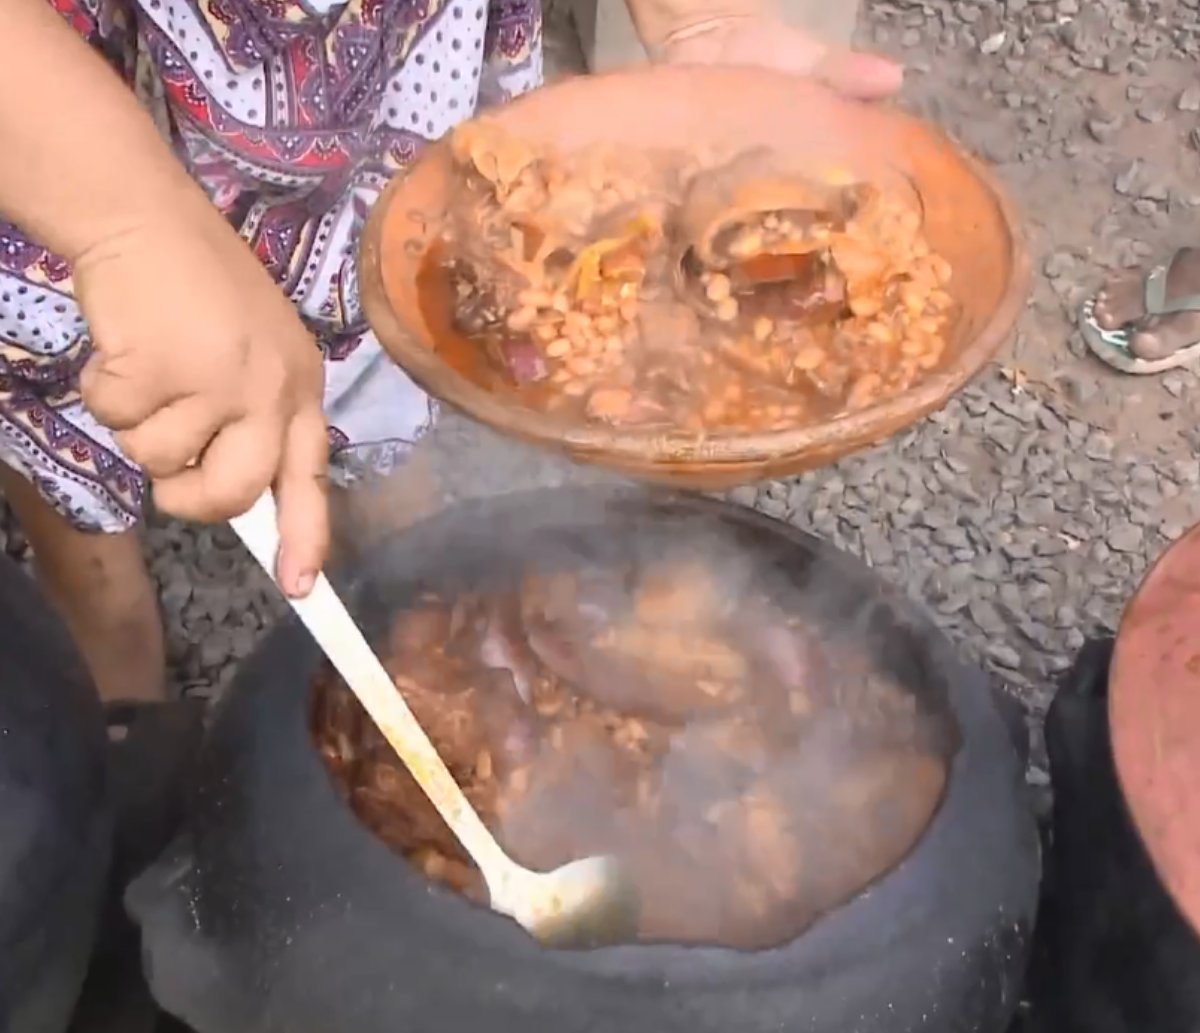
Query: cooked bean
{"type": "Point", "coordinates": [809, 358]}
{"type": "Point", "coordinates": [718, 288]}
{"type": "Point", "coordinates": [864, 391]}
{"type": "Point", "coordinates": [535, 298]}
{"type": "Point", "coordinates": [522, 319]}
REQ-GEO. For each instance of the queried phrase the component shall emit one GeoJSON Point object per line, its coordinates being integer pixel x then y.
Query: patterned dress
{"type": "Point", "coordinates": [292, 114]}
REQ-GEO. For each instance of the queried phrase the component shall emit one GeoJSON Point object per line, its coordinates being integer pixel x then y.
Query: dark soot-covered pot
{"type": "Point", "coordinates": [277, 911]}
{"type": "Point", "coordinates": [55, 828]}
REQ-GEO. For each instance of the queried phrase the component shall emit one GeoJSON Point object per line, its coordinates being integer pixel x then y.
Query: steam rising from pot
{"type": "Point", "coordinates": [742, 735]}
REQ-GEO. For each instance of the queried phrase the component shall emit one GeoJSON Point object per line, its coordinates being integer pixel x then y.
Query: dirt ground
{"type": "Point", "coordinates": [1089, 113]}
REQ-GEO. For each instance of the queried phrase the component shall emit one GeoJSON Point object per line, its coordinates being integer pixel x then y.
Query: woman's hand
{"type": "Point", "coordinates": [766, 41]}
{"type": "Point", "coordinates": [208, 377]}
{"type": "Point", "coordinates": [202, 367]}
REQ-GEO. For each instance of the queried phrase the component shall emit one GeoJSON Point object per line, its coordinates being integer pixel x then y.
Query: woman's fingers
{"type": "Point", "coordinates": [766, 42]}
{"type": "Point", "coordinates": [167, 441]}
{"type": "Point", "coordinates": [861, 76]}
{"type": "Point", "coordinates": [238, 465]}
{"type": "Point", "coordinates": [119, 394]}
{"type": "Point", "coordinates": [302, 500]}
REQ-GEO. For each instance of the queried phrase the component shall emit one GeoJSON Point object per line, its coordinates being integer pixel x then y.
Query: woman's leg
{"type": "Point", "coordinates": [100, 586]}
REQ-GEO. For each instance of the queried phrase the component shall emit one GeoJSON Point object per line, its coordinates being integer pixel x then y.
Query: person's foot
{"type": "Point", "coordinates": [1121, 305]}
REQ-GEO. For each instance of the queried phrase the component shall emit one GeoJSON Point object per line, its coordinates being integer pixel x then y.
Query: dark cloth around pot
{"type": "Point", "coordinates": [1119, 957]}
{"type": "Point", "coordinates": [55, 829]}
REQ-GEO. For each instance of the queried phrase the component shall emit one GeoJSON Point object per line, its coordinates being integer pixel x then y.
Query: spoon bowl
{"type": "Point", "coordinates": [591, 902]}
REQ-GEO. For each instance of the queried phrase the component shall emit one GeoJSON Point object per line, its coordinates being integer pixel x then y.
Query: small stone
{"type": "Point", "coordinates": [1152, 112]}
{"type": "Point", "coordinates": [1066, 616]}
{"type": "Point", "coordinates": [986, 617]}
{"type": "Point", "coordinates": [1125, 537]}
{"type": "Point", "coordinates": [1174, 383]}
{"type": "Point", "coordinates": [1127, 178]}
{"type": "Point", "coordinates": [1103, 130]}
{"type": "Point", "coordinates": [214, 650]}
{"type": "Point", "coordinates": [993, 43]}
{"type": "Point", "coordinates": [1099, 446]}
{"type": "Point", "coordinates": [1004, 655]}
{"type": "Point", "coordinates": [1155, 192]}
{"type": "Point", "coordinates": [1017, 550]}
{"type": "Point", "coordinates": [1059, 264]}
{"type": "Point", "coordinates": [175, 595]}
{"type": "Point", "coordinates": [1185, 471]}
{"type": "Point", "coordinates": [1189, 99]}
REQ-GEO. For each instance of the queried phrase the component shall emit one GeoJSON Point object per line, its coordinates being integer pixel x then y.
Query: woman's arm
{"type": "Point", "coordinates": [81, 161]}
{"type": "Point", "coordinates": [200, 364]}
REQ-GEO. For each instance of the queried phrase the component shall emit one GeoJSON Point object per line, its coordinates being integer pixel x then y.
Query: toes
{"type": "Point", "coordinates": [1146, 344]}
{"type": "Point", "coordinates": [1119, 304]}
{"type": "Point", "coordinates": [1160, 337]}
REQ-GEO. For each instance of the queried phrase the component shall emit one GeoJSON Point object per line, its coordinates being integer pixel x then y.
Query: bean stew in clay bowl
{"type": "Point", "coordinates": [711, 293]}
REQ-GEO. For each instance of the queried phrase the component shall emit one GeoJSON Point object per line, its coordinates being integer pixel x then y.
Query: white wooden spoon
{"type": "Point", "coordinates": [587, 903]}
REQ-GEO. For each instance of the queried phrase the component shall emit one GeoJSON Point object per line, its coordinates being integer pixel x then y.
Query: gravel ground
{"type": "Point", "coordinates": [1024, 513]}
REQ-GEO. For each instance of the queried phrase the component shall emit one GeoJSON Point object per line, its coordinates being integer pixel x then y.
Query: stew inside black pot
{"type": "Point", "coordinates": [278, 910]}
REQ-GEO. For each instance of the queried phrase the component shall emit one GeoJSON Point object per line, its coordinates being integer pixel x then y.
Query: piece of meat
{"type": "Point", "coordinates": [502, 646]}
{"type": "Point", "coordinates": [816, 295]}
{"type": "Point", "coordinates": [582, 627]}
{"type": "Point", "coordinates": [522, 359]}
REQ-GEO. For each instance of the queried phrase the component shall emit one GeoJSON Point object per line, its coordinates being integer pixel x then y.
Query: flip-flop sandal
{"type": "Point", "coordinates": [1114, 347]}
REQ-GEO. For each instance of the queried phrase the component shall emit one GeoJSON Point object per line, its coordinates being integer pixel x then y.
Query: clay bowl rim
{"type": "Point", "coordinates": [824, 441]}
{"type": "Point", "coordinates": [1156, 770]}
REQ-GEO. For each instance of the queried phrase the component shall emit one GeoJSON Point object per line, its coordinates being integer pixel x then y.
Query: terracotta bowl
{"type": "Point", "coordinates": [968, 220]}
{"type": "Point", "coordinates": [1154, 713]}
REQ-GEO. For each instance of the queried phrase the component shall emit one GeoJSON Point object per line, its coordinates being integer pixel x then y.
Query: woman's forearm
{"type": "Point", "coordinates": [80, 161]}
{"type": "Point", "coordinates": [657, 21]}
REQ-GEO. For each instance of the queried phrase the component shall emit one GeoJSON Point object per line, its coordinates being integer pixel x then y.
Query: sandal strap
{"type": "Point", "coordinates": [1154, 295]}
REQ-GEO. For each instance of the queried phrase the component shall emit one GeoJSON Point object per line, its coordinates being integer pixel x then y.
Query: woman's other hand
{"type": "Point", "coordinates": [751, 32]}
{"type": "Point", "coordinates": [766, 41]}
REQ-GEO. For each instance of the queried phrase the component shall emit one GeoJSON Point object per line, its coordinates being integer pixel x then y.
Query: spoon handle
{"type": "Point", "coordinates": [334, 630]}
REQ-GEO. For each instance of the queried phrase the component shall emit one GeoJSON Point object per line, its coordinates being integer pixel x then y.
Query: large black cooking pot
{"type": "Point", "coordinates": [1119, 957]}
{"type": "Point", "coordinates": [277, 911]}
{"type": "Point", "coordinates": [55, 828]}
